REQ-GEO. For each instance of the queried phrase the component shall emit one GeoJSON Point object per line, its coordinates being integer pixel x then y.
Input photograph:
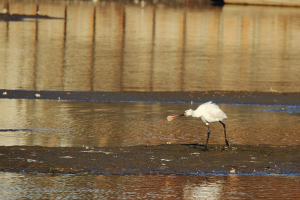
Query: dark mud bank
{"type": "Point", "coordinates": [221, 97]}
{"type": "Point", "coordinates": [6, 17]}
{"type": "Point", "coordinates": [185, 159]}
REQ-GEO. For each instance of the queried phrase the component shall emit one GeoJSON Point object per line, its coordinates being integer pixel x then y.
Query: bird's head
{"type": "Point", "coordinates": [188, 113]}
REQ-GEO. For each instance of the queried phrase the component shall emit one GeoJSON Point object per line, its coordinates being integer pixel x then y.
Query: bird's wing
{"type": "Point", "coordinates": [214, 113]}
{"type": "Point", "coordinates": [206, 104]}
{"type": "Point", "coordinates": [217, 114]}
{"type": "Point", "coordinates": [210, 112]}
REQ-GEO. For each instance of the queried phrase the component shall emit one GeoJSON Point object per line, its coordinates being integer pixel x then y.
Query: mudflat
{"type": "Point", "coordinates": [6, 17]}
{"type": "Point", "coordinates": [225, 97]}
{"type": "Point", "coordinates": [183, 159]}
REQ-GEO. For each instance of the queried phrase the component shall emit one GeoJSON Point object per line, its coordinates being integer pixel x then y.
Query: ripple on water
{"type": "Point", "coordinates": [45, 186]}
{"type": "Point", "coordinates": [74, 123]}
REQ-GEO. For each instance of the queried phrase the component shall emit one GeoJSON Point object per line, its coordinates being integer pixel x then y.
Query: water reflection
{"type": "Point", "coordinates": [117, 46]}
{"type": "Point", "coordinates": [37, 186]}
{"type": "Point", "coordinates": [70, 123]}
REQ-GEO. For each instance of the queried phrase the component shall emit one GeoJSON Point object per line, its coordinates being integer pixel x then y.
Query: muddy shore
{"type": "Point", "coordinates": [6, 17]}
{"type": "Point", "coordinates": [220, 97]}
{"type": "Point", "coordinates": [185, 159]}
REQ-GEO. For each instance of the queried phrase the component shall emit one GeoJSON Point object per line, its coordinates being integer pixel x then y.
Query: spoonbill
{"type": "Point", "coordinates": [208, 113]}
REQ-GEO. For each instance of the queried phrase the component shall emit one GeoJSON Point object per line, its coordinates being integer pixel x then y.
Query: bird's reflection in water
{"type": "Point", "coordinates": [206, 190]}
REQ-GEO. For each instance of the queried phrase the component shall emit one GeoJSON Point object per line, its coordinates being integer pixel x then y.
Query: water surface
{"type": "Point", "coordinates": [44, 186]}
{"type": "Point", "coordinates": [152, 46]}
{"type": "Point", "coordinates": [73, 123]}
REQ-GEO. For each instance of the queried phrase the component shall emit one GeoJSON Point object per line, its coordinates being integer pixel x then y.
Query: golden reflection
{"type": "Point", "coordinates": [117, 46]}
{"type": "Point", "coordinates": [147, 187]}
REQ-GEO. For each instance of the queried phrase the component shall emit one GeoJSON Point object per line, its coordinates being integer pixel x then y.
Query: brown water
{"type": "Point", "coordinates": [159, 47]}
{"type": "Point", "coordinates": [146, 46]}
{"type": "Point", "coordinates": [40, 186]}
{"type": "Point", "coordinates": [73, 124]}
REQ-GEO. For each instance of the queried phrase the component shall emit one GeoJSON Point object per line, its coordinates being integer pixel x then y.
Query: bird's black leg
{"type": "Point", "coordinates": [208, 133]}
{"type": "Point", "coordinates": [226, 141]}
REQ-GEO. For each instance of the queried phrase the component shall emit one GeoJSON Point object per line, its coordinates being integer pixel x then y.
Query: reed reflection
{"type": "Point", "coordinates": [115, 46]}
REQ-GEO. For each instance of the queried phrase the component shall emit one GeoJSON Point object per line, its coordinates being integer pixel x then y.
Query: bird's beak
{"type": "Point", "coordinates": [170, 118]}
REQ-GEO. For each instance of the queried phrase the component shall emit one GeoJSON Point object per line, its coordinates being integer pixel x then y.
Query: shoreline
{"type": "Point", "coordinates": [219, 97]}
{"type": "Point", "coordinates": [165, 159]}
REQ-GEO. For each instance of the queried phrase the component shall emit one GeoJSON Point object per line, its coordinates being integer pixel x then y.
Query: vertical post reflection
{"type": "Point", "coordinates": [92, 71]}
{"type": "Point", "coordinates": [152, 50]}
{"type": "Point", "coordinates": [64, 46]}
{"type": "Point", "coordinates": [122, 48]}
{"type": "Point", "coordinates": [36, 50]}
{"type": "Point", "coordinates": [181, 74]}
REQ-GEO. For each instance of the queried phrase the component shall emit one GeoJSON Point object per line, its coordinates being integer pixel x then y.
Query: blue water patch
{"type": "Point", "coordinates": [50, 130]}
{"type": "Point", "coordinates": [286, 109]}
{"type": "Point", "coordinates": [14, 130]}
{"type": "Point", "coordinates": [47, 130]}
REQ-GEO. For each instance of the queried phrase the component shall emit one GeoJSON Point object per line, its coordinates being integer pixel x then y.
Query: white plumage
{"type": "Point", "coordinates": [208, 113]}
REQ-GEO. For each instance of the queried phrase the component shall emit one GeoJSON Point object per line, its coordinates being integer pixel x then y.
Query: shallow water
{"type": "Point", "coordinates": [163, 46]}
{"type": "Point", "coordinates": [44, 186]}
{"type": "Point", "coordinates": [73, 123]}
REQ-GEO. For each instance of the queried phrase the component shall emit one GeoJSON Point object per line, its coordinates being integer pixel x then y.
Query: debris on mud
{"type": "Point", "coordinates": [182, 159]}
{"type": "Point", "coordinates": [219, 97]}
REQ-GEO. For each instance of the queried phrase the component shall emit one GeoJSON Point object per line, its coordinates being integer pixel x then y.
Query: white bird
{"type": "Point", "coordinates": [208, 113]}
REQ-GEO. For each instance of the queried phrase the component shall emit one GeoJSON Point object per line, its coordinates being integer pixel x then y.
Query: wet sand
{"type": "Point", "coordinates": [187, 159]}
